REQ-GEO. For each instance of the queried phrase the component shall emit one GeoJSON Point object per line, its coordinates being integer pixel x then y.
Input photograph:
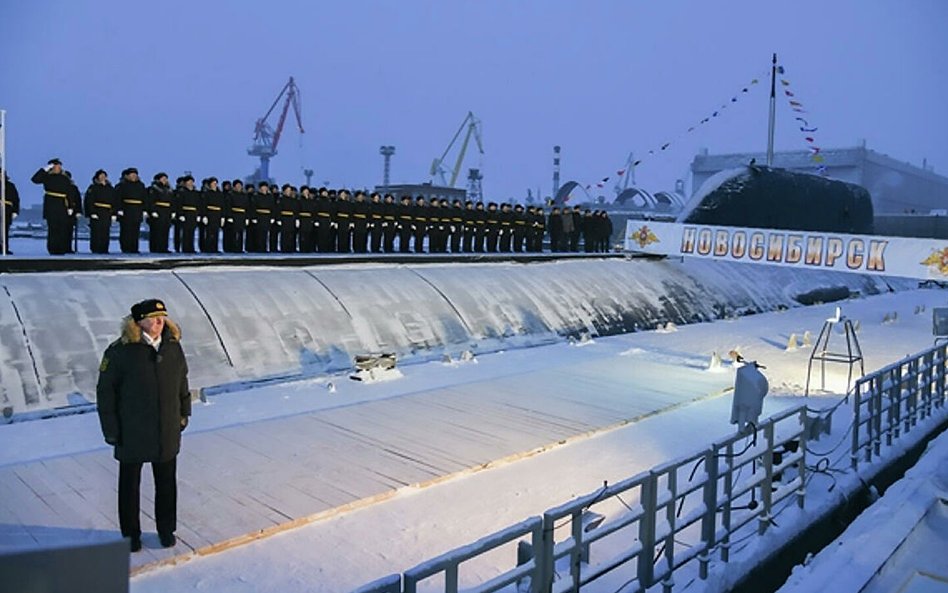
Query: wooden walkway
{"type": "Point", "coordinates": [248, 481]}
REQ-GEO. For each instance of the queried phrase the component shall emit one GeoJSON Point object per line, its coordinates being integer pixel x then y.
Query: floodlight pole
{"type": "Point", "coordinates": [3, 182]}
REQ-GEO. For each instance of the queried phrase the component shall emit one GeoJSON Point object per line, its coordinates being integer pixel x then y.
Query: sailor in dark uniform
{"type": "Point", "coordinates": [56, 210]}
{"type": "Point", "coordinates": [419, 224]}
{"type": "Point", "coordinates": [389, 221]}
{"type": "Point", "coordinates": [131, 195]}
{"type": "Point", "coordinates": [480, 231]}
{"type": "Point", "coordinates": [307, 219]}
{"type": "Point", "coordinates": [161, 209]}
{"type": "Point", "coordinates": [360, 223]}
{"type": "Point", "coordinates": [325, 209]}
{"type": "Point", "coordinates": [343, 222]}
{"type": "Point", "coordinates": [406, 224]}
{"type": "Point", "coordinates": [189, 210]}
{"type": "Point", "coordinates": [11, 203]}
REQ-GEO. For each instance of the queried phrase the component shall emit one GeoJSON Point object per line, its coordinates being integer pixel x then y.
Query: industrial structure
{"type": "Point", "coordinates": [266, 139]}
{"type": "Point", "coordinates": [386, 152]}
{"type": "Point", "coordinates": [473, 126]}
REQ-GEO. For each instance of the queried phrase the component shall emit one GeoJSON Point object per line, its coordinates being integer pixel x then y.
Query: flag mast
{"type": "Point", "coordinates": [773, 109]}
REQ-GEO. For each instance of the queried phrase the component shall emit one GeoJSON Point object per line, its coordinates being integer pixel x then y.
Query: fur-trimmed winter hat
{"type": "Point", "coordinates": [148, 308]}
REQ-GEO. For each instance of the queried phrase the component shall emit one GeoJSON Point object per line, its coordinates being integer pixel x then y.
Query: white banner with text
{"type": "Point", "coordinates": [864, 254]}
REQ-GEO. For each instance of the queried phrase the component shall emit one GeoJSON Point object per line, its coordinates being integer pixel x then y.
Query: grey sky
{"type": "Point", "coordinates": [177, 85]}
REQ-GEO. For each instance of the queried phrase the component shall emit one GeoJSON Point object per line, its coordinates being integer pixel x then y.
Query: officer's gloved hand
{"type": "Point", "coordinates": [254, 221]}
{"type": "Point", "coordinates": [204, 219]}
{"type": "Point", "coordinates": [279, 223]}
{"type": "Point", "coordinates": [230, 220]}
{"type": "Point", "coordinates": [94, 217]}
{"type": "Point", "coordinates": [13, 216]}
{"type": "Point", "coordinates": [154, 215]}
{"type": "Point", "coordinates": [184, 423]}
{"type": "Point", "coordinates": [297, 224]}
{"type": "Point", "coordinates": [334, 225]}
{"type": "Point", "coordinates": [48, 168]}
{"type": "Point", "coordinates": [78, 215]}
{"type": "Point", "coordinates": [247, 222]}
{"type": "Point", "coordinates": [181, 218]}
{"type": "Point", "coordinates": [271, 221]}
{"type": "Point", "coordinates": [69, 211]}
{"type": "Point", "coordinates": [120, 214]}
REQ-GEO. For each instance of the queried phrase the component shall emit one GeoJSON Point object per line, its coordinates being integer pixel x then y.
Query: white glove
{"type": "Point", "coordinates": [247, 222]}
{"type": "Point", "coordinates": [334, 225]}
{"type": "Point", "coordinates": [154, 215]}
{"type": "Point", "coordinates": [113, 219]}
{"type": "Point", "coordinates": [297, 224]}
{"type": "Point", "coordinates": [144, 216]}
{"type": "Point", "coordinates": [254, 221]}
{"type": "Point", "coordinates": [272, 221]}
{"type": "Point", "coordinates": [279, 223]}
{"type": "Point", "coordinates": [69, 211]}
{"type": "Point", "coordinates": [48, 168]}
{"type": "Point", "coordinates": [453, 230]}
{"type": "Point", "coordinates": [78, 215]}
{"type": "Point", "coordinates": [13, 216]}
{"type": "Point", "coordinates": [181, 218]}
{"type": "Point", "coordinates": [204, 219]}
{"type": "Point", "coordinates": [230, 220]}
{"type": "Point", "coordinates": [120, 213]}
{"type": "Point", "coordinates": [94, 217]}
{"type": "Point", "coordinates": [384, 224]}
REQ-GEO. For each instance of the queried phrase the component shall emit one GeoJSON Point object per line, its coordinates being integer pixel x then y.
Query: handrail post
{"type": "Point", "coordinates": [544, 556]}
{"type": "Point", "coordinates": [801, 465]}
{"type": "Point", "coordinates": [709, 521]}
{"type": "Point", "coordinates": [766, 487]}
{"type": "Point", "coordinates": [646, 560]}
{"type": "Point", "coordinates": [857, 404]}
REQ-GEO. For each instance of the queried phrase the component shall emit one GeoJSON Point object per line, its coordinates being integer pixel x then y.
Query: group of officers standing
{"type": "Point", "coordinates": [259, 218]}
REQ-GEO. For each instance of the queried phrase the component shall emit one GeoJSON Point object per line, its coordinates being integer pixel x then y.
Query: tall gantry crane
{"type": "Point", "coordinates": [265, 138]}
{"type": "Point", "coordinates": [473, 126]}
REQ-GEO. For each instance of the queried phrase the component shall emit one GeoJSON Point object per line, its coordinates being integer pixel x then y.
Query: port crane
{"type": "Point", "coordinates": [473, 126]}
{"type": "Point", "coordinates": [265, 138]}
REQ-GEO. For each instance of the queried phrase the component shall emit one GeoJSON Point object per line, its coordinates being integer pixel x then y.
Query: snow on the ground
{"type": "Point", "coordinates": [899, 543]}
{"type": "Point", "coordinates": [356, 547]}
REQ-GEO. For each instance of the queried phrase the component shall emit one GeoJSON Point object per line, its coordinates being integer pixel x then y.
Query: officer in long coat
{"type": "Point", "coordinates": [144, 403]}
{"type": "Point", "coordinates": [56, 210]}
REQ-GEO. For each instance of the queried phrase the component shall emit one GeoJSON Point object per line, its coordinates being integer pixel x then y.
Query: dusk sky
{"type": "Point", "coordinates": [178, 85]}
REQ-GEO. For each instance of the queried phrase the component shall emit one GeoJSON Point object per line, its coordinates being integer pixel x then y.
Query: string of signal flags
{"type": "Point", "coordinates": [806, 128]}
{"type": "Point", "coordinates": [715, 114]}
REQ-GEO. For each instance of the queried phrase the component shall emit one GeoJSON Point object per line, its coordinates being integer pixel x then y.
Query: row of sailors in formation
{"type": "Point", "coordinates": [259, 219]}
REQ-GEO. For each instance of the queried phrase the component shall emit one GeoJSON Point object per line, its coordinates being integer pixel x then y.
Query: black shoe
{"type": "Point", "coordinates": [167, 540]}
{"type": "Point", "coordinates": [136, 544]}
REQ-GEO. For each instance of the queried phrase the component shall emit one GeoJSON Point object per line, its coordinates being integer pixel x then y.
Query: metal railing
{"type": "Point", "coordinates": [891, 401]}
{"type": "Point", "coordinates": [656, 510]}
{"type": "Point", "coordinates": [647, 527]}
